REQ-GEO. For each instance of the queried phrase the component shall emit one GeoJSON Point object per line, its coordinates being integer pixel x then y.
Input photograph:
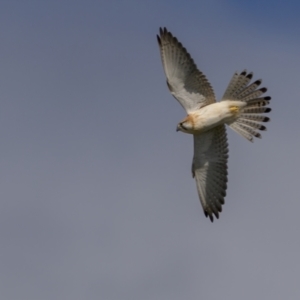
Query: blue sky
{"type": "Point", "coordinates": [97, 199]}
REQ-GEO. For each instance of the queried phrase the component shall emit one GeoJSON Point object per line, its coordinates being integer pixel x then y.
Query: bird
{"type": "Point", "coordinates": [242, 108]}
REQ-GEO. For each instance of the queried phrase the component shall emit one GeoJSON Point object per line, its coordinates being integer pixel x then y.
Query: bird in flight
{"type": "Point", "coordinates": [242, 108]}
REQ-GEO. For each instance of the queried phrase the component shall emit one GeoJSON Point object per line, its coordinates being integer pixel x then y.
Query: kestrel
{"type": "Point", "coordinates": [242, 108]}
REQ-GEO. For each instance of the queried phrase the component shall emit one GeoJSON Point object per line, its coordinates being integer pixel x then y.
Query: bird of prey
{"type": "Point", "coordinates": [242, 108]}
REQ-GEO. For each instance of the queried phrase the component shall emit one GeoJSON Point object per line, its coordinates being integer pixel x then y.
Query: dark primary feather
{"type": "Point", "coordinates": [210, 169]}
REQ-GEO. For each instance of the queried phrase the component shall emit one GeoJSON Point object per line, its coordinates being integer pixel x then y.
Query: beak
{"type": "Point", "coordinates": [177, 128]}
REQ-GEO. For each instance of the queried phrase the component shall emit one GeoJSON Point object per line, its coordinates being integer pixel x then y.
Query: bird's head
{"type": "Point", "coordinates": [186, 125]}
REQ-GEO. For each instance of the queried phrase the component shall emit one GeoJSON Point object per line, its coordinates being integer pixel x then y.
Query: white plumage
{"type": "Point", "coordinates": [241, 108]}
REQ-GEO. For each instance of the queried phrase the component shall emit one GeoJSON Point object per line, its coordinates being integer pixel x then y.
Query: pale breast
{"type": "Point", "coordinates": [215, 114]}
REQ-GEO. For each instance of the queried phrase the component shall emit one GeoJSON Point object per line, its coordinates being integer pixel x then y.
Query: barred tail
{"type": "Point", "coordinates": [252, 115]}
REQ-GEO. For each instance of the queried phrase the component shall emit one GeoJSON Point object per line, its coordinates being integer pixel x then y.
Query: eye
{"type": "Point", "coordinates": [182, 126]}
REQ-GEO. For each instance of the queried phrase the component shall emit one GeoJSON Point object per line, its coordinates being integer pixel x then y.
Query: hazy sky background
{"type": "Point", "coordinates": [96, 194]}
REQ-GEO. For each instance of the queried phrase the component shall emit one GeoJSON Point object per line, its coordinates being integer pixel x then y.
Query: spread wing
{"type": "Point", "coordinates": [186, 83]}
{"type": "Point", "coordinates": [210, 169]}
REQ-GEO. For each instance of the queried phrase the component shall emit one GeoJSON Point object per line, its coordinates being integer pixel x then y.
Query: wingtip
{"type": "Point", "coordinates": [209, 215]}
{"type": "Point", "coordinates": [158, 39]}
{"type": "Point", "coordinates": [163, 31]}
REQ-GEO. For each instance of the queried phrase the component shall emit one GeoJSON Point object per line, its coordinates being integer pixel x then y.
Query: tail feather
{"type": "Point", "coordinates": [250, 117]}
{"type": "Point", "coordinates": [237, 83]}
{"type": "Point", "coordinates": [251, 124]}
{"type": "Point", "coordinates": [256, 110]}
{"type": "Point", "coordinates": [250, 88]}
{"type": "Point", "coordinates": [253, 95]}
{"type": "Point", "coordinates": [242, 82]}
{"type": "Point", "coordinates": [241, 132]}
{"type": "Point", "coordinates": [258, 102]}
{"type": "Point", "coordinates": [249, 130]}
{"type": "Point", "coordinates": [256, 117]}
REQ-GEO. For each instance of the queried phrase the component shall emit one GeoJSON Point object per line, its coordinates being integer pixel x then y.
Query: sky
{"type": "Point", "coordinates": [97, 200]}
